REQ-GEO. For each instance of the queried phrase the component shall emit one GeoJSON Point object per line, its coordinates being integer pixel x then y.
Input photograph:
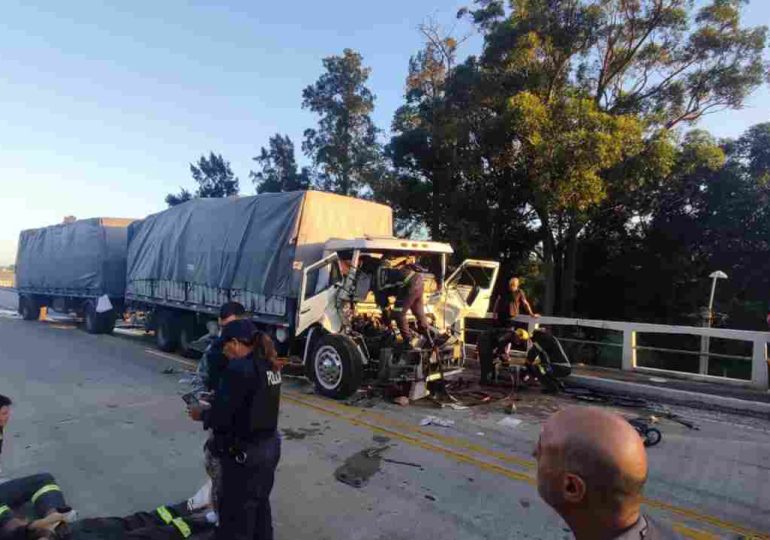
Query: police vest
{"type": "Point", "coordinates": [266, 401]}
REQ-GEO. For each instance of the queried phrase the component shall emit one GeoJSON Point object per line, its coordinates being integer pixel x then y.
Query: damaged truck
{"type": "Point", "coordinates": [303, 265]}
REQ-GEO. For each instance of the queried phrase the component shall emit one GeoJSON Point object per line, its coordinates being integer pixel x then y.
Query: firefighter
{"type": "Point", "coordinates": [164, 523]}
{"type": "Point", "coordinates": [402, 278]}
{"type": "Point", "coordinates": [39, 490]}
{"type": "Point", "coordinates": [244, 418]}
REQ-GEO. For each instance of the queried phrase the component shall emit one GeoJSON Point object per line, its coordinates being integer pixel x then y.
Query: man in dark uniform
{"type": "Point", "coordinates": [244, 418]}
{"type": "Point", "coordinates": [210, 369]}
{"type": "Point", "coordinates": [403, 279]}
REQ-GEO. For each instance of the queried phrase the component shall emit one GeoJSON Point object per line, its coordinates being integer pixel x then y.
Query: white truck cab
{"type": "Point", "coordinates": [345, 333]}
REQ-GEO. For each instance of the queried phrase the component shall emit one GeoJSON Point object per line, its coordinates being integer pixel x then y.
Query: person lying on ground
{"type": "Point", "coordinates": [591, 469]}
{"type": "Point", "coordinates": [173, 522]}
{"type": "Point", "coordinates": [38, 490]}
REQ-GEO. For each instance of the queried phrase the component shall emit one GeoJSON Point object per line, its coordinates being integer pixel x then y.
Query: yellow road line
{"type": "Point", "coordinates": [490, 467]}
{"type": "Point", "coordinates": [694, 534]}
{"type": "Point", "coordinates": [171, 357]}
{"type": "Point", "coordinates": [328, 409]}
{"type": "Point", "coordinates": [451, 441]}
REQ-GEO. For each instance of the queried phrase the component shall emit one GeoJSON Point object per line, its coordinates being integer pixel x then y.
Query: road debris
{"type": "Point", "coordinates": [509, 422]}
{"type": "Point", "coordinates": [407, 463]}
{"type": "Point", "coordinates": [360, 467]}
{"type": "Point", "coordinates": [168, 371]}
{"type": "Point", "coordinates": [401, 400]}
{"type": "Point", "coordinates": [436, 421]}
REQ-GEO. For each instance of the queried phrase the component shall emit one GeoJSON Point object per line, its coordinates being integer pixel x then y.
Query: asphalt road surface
{"type": "Point", "coordinates": [103, 414]}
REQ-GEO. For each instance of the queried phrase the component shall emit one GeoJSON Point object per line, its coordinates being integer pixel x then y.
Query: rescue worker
{"type": "Point", "coordinates": [209, 372]}
{"type": "Point", "coordinates": [402, 278]}
{"type": "Point", "coordinates": [244, 419]}
{"type": "Point", "coordinates": [508, 304]}
{"type": "Point", "coordinates": [5, 417]}
{"type": "Point", "coordinates": [173, 522]}
{"type": "Point", "coordinates": [39, 490]}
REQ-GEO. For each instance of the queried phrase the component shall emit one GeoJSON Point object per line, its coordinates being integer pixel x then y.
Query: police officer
{"type": "Point", "coordinates": [403, 278]}
{"type": "Point", "coordinates": [244, 418]}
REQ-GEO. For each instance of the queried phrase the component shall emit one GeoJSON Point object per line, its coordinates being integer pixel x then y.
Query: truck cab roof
{"type": "Point", "coordinates": [388, 243]}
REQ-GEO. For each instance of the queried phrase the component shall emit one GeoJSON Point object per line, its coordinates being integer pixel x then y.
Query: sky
{"type": "Point", "coordinates": [103, 104]}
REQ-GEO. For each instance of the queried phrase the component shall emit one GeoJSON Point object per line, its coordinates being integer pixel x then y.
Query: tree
{"type": "Point", "coordinates": [279, 168]}
{"type": "Point", "coordinates": [214, 177]}
{"type": "Point", "coordinates": [591, 71]}
{"type": "Point", "coordinates": [344, 146]}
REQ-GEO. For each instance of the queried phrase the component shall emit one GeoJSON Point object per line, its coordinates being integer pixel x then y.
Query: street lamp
{"type": "Point", "coordinates": [708, 318]}
{"type": "Point", "coordinates": [714, 277]}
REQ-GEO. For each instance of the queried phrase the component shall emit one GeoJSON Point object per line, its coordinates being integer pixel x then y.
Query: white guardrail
{"type": "Point", "coordinates": [759, 340]}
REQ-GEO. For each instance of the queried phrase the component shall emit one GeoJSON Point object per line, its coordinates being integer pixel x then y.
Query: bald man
{"type": "Point", "coordinates": [591, 469]}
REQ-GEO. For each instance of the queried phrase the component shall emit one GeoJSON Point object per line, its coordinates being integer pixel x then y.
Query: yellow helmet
{"type": "Point", "coordinates": [522, 334]}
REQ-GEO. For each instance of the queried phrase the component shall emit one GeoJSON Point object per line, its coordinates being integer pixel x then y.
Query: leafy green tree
{"type": "Point", "coordinates": [344, 146]}
{"type": "Point", "coordinates": [279, 168]}
{"type": "Point", "coordinates": [570, 105]}
{"type": "Point", "coordinates": [214, 177]}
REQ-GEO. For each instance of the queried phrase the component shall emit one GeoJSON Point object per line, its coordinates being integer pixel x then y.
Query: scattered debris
{"type": "Point", "coordinates": [299, 434]}
{"type": "Point", "coordinates": [168, 371]}
{"type": "Point", "coordinates": [407, 463]}
{"type": "Point", "coordinates": [651, 436]}
{"type": "Point", "coordinates": [360, 467]}
{"type": "Point", "coordinates": [381, 439]}
{"type": "Point", "coordinates": [457, 406]}
{"type": "Point", "coordinates": [436, 421]}
{"type": "Point", "coordinates": [524, 503]}
{"type": "Point", "coordinates": [509, 422]}
{"type": "Point", "coordinates": [430, 497]}
{"type": "Point", "coordinates": [510, 409]}
{"type": "Point", "coordinates": [401, 400]}
{"type": "Point", "coordinates": [480, 433]}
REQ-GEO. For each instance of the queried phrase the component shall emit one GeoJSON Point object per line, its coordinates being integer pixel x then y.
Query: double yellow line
{"type": "Point", "coordinates": [454, 448]}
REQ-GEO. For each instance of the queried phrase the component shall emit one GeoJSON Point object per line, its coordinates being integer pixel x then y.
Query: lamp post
{"type": "Point", "coordinates": [708, 317]}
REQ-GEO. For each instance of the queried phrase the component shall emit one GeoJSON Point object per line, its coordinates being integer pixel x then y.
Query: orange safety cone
{"type": "Point", "coordinates": [43, 313]}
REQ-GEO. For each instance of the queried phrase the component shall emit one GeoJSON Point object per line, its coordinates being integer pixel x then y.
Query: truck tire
{"type": "Point", "coordinates": [94, 321]}
{"type": "Point", "coordinates": [187, 334]}
{"type": "Point", "coordinates": [337, 366]}
{"type": "Point", "coordinates": [167, 331]}
{"type": "Point", "coordinates": [29, 308]}
{"type": "Point", "coordinates": [107, 322]}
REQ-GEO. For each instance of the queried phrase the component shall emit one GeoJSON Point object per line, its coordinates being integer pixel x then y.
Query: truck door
{"type": "Point", "coordinates": [474, 281]}
{"type": "Point", "coordinates": [318, 290]}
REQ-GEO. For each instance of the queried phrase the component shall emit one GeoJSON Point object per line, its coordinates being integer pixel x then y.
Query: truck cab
{"type": "Point", "coordinates": [346, 337]}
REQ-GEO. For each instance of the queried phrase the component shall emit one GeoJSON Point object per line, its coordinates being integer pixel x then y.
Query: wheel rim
{"type": "Point", "coordinates": [328, 367]}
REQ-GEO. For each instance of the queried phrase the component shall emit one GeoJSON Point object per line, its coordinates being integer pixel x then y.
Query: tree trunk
{"type": "Point", "coordinates": [549, 276]}
{"type": "Point", "coordinates": [568, 271]}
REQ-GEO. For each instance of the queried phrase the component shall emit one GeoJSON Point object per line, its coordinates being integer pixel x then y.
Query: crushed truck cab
{"type": "Point", "coordinates": [347, 338]}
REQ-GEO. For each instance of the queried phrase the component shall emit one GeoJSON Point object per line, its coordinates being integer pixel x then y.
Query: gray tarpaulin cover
{"type": "Point", "coordinates": [250, 247]}
{"type": "Point", "coordinates": [83, 258]}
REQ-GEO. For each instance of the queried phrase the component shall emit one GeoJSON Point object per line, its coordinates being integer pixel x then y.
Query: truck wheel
{"type": "Point", "coordinates": [337, 366]}
{"type": "Point", "coordinates": [29, 309]}
{"type": "Point", "coordinates": [107, 321]}
{"type": "Point", "coordinates": [188, 334]}
{"type": "Point", "coordinates": [167, 331]}
{"type": "Point", "coordinates": [93, 319]}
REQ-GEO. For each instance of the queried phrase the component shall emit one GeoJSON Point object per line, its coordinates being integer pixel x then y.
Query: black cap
{"type": "Point", "coordinates": [242, 330]}
{"type": "Point", "coordinates": [230, 309]}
